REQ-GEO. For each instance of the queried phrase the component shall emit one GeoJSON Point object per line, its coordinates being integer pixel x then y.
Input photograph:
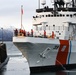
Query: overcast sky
{"type": "Point", "coordinates": [10, 12]}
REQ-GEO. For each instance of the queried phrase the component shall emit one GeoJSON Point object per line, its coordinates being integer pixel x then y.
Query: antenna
{"type": "Point", "coordinates": [21, 14]}
{"type": "Point", "coordinates": [39, 4]}
{"type": "Point", "coordinates": [43, 2]}
{"type": "Point", "coordinates": [72, 3]}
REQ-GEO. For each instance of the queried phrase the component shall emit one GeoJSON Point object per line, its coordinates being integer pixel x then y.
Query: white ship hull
{"type": "Point", "coordinates": [57, 46]}
{"type": "Point", "coordinates": [43, 52]}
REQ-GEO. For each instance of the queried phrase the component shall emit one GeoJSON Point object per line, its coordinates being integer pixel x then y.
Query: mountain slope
{"type": "Point", "coordinates": [7, 34]}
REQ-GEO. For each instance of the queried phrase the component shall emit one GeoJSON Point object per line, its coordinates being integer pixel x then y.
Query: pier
{"type": "Point", "coordinates": [16, 66]}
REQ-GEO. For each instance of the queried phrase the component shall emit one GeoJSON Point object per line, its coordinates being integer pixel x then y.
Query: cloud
{"type": "Point", "coordinates": [10, 12]}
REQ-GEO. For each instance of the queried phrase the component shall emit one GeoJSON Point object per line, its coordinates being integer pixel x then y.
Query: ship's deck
{"type": "Point", "coordinates": [51, 9]}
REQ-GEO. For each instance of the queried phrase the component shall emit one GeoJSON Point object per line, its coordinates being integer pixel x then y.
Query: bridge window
{"type": "Point", "coordinates": [59, 33]}
{"type": "Point", "coordinates": [61, 15]}
{"type": "Point", "coordinates": [42, 15]}
{"type": "Point", "coordinates": [57, 15]}
{"type": "Point", "coordinates": [71, 15]}
{"type": "Point", "coordinates": [51, 15]}
{"type": "Point", "coordinates": [75, 14]}
{"type": "Point", "coordinates": [33, 16]}
{"type": "Point", "coordinates": [46, 25]}
{"type": "Point", "coordinates": [53, 27]}
{"type": "Point", "coordinates": [48, 15]}
{"type": "Point", "coordinates": [57, 37]}
{"type": "Point", "coordinates": [67, 15]}
{"type": "Point", "coordinates": [36, 16]}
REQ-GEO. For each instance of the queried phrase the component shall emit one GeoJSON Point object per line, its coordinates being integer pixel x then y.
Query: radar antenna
{"type": "Point", "coordinates": [43, 2]}
{"type": "Point", "coordinates": [73, 3]}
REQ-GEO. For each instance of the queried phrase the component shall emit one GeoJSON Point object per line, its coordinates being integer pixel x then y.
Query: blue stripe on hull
{"type": "Point", "coordinates": [69, 52]}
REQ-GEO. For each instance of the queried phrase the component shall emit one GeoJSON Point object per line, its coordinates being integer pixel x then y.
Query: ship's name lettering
{"type": "Point", "coordinates": [56, 47]}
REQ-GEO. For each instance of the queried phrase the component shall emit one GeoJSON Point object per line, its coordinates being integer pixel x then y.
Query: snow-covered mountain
{"type": "Point", "coordinates": [6, 34]}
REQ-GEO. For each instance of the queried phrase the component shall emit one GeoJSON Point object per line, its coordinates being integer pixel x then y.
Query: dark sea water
{"type": "Point", "coordinates": [17, 64]}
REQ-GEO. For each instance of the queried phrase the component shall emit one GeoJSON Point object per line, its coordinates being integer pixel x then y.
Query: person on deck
{"type": "Point", "coordinates": [16, 32]}
{"type": "Point", "coordinates": [24, 32]}
{"type": "Point", "coordinates": [31, 32]}
{"type": "Point", "coordinates": [28, 34]}
{"type": "Point", "coordinates": [44, 34]}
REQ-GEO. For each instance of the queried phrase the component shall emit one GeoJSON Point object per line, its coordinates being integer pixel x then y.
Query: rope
{"type": "Point", "coordinates": [61, 64]}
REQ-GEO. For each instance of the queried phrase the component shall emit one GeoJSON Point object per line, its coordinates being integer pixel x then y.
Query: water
{"type": "Point", "coordinates": [18, 65]}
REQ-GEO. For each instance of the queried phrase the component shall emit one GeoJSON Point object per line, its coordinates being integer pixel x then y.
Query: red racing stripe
{"type": "Point", "coordinates": [63, 52]}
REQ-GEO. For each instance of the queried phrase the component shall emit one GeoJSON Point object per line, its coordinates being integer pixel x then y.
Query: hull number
{"type": "Point", "coordinates": [56, 47]}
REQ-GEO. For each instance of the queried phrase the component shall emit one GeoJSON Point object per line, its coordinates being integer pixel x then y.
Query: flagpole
{"type": "Point", "coordinates": [39, 4]}
{"type": "Point", "coordinates": [21, 14]}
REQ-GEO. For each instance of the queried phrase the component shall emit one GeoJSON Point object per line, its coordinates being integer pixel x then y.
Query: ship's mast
{"type": "Point", "coordinates": [72, 3]}
{"type": "Point", "coordinates": [38, 4]}
{"type": "Point", "coordinates": [55, 6]}
{"type": "Point", "coordinates": [21, 14]}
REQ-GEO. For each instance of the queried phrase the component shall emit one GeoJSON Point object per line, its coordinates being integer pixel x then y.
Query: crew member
{"type": "Point", "coordinates": [24, 32]}
{"type": "Point", "coordinates": [44, 34]}
{"type": "Point", "coordinates": [32, 32]}
{"type": "Point", "coordinates": [53, 35]}
{"type": "Point", "coordinates": [28, 34]}
{"type": "Point", "coordinates": [16, 32]}
{"type": "Point", "coordinates": [21, 32]}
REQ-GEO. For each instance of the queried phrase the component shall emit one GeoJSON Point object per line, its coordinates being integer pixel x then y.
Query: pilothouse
{"type": "Point", "coordinates": [60, 20]}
